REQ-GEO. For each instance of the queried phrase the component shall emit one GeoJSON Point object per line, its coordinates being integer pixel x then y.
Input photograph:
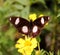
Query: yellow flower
{"type": "Point", "coordinates": [46, 24]}
{"type": "Point", "coordinates": [32, 17]}
{"type": "Point", "coordinates": [37, 52]}
{"type": "Point", "coordinates": [41, 15]}
{"type": "Point", "coordinates": [26, 46]}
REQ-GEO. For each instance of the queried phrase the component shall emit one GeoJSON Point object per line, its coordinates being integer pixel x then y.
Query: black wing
{"type": "Point", "coordinates": [22, 25]}
{"type": "Point", "coordinates": [41, 21]}
{"type": "Point", "coordinates": [38, 24]}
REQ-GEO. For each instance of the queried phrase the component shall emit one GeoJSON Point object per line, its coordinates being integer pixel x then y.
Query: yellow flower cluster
{"type": "Point", "coordinates": [26, 46]}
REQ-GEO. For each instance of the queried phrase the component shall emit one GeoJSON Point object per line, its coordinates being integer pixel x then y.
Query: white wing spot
{"type": "Point", "coordinates": [10, 18]}
{"type": "Point", "coordinates": [42, 20]}
{"type": "Point", "coordinates": [35, 29]}
{"type": "Point", "coordinates": [48, 18]}
{"type": "Point", "coordinates": [17, 21]}
{"type": "Point", "coordinates": [25, 29]}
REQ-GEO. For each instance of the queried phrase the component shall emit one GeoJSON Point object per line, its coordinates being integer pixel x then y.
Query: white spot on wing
{"type": "Point", "coordinates": [35, 29]}
{"type": "Point", "coordinates": [48, 18]}
{"type": "Point", "coordinates": [25, 29]}
{"type": "Point", "coordinates": [10, 18]}
{"type": "Point", "coordinates": [42, 20]}
{"type": "Point", "coordinates": [17, 21]}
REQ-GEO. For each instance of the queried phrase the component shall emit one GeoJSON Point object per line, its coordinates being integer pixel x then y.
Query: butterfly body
{"type": "Point", "coordinates": [31, 28]}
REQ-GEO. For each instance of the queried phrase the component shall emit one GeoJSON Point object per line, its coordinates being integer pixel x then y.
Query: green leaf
{"type": "Point", "coordinates": [1, 53]}
{"type": "Point", "coordinates": [15, 13]}
{"type": "Point", "coordinates": [59, 1]}
{"type": "Point", "coordinates": [42, 1]}
{"type": "Point", "coordinates": [58, 15]}
{"type": "Point", "coordinates": [58, 53]}
{"type": "Point", "coordinates": [25, 12]}
{"type": "Point", "coordinates": [17, 6]}
{"type": "Point", "coordinates": [33, 53]}
{"type": "Point", "coordinates": [10, 33]}
{"type": "Point", "coordinates": [51, 53]}
{"type": "Point", "coordinates": [3, 40]}
{"type": "Point", "coordinates": [43, 52]}
{"type": "Point", "coordinates": [23, 2]}
{"type": "Point", "coordinates": [8, 3]}
{"type": "Point", "coordinates": [36, 1]}
{"type": "Point", "coordinates": [38, 38]}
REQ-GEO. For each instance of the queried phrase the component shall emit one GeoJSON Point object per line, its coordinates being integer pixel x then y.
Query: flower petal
{"type": "Point", "coordinates": [34, 42]}
{"type": "Point", "coordinates": [21, 41]}
{"type": "Point", "coordinates": [27, 45]}
{"type": "Point", "coordinates": [32, 17]}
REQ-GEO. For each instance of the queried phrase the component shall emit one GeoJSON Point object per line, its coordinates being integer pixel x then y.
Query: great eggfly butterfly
{"type": "Point", "coordinates": [31, 28]}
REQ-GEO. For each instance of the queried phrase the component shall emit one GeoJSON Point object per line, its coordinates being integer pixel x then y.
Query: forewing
{"type": "Point", "coordinates": [21, 24]}
{"type": "Point", "coordinates": [39, 24]}
{"type": "Point", "coordinates": [41, 21]}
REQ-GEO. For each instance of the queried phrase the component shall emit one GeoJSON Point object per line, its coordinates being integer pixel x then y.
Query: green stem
{"type": "Point", "coordinates": [38, 46]}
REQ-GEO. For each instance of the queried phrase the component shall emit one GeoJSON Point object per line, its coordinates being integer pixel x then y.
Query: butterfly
{"type": "Point", "coordinates": [30, 28]}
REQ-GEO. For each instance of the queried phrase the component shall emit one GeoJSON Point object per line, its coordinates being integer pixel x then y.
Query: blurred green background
{"type": "Point", "coordinates": [23, 8]}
